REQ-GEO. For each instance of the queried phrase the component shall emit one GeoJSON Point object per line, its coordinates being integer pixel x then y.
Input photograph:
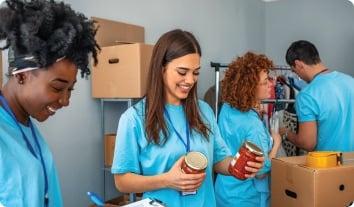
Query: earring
{"type": "Point", "coordinates": [20, 82]}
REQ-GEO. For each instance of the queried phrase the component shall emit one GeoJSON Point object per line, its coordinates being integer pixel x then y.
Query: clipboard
{"type": "Point", "coordinates": [147, 202]}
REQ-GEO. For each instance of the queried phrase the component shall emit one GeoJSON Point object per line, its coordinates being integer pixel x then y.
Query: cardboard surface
{"type": "Point", "coordinates": [294, 184]}
{"type": "Point", "coordinates": [121, 71]}
{"type": "Point", "coordinates": [110, 32]}
{"type": "Point", "coordinates": [109, 144]}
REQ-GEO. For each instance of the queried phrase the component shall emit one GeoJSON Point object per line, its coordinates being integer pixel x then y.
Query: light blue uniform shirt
{"type": "Point", "coordinates": [134, 154]}
{"type": "Point", "coordinates": [21, 174]}
{"type": "Point", "coordinates": [329, 100]}
{"type": "Point", "coordinates": [236, 127]}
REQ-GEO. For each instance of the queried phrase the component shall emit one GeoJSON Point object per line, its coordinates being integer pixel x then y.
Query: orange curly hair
{"type": "Point", "coordinates": [241, 80]}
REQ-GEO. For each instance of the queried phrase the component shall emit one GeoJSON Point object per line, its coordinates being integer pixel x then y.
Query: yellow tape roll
{"type": "Point", "coordinates": [323, 159]}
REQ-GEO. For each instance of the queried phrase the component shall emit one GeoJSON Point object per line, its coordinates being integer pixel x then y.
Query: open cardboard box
{"type": "Point", "coordinates": [295, 185]}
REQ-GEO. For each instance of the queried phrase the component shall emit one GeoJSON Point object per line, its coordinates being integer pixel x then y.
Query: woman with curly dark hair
{"type": "Point", "coordinates": [48, 43]}
{"type": "Point", "coordinates": [245, 84]}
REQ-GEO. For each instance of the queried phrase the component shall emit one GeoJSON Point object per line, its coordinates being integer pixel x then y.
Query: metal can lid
{"type": "Point", "coordinates": [253, 148]}
{"type": "Point", "coordinates": [196, 160]}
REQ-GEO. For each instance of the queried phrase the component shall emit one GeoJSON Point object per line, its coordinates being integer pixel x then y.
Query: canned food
{"type": "Point", "coordinates": [194, 163]}
{"type": "Point", "coordinates": [247, 152]}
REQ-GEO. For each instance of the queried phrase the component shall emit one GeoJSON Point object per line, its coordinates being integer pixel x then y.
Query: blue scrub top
{"type": "Point", "coordinates": [21, 174]}
{"type": "Point", "coordinates": [329, 100]}
{"type": "Point", "coordinates": [134, 154]}
{"type": "Point", "coordinates": [236, 127]}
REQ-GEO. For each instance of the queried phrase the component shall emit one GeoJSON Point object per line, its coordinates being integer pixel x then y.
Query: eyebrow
{"type": "Point", "coordinates": [184, 68]}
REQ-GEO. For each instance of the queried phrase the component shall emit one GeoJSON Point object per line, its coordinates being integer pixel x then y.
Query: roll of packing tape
{"type": "Point", "coordinates": [323, 159]}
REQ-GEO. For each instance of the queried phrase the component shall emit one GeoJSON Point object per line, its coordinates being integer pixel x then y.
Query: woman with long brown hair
{"type": "Point", "coordinates": [245, 84]}
{"type": "Point", "coordinates": [154, 135]}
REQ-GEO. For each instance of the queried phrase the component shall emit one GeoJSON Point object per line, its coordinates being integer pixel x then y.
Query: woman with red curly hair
{"type": "Point", "coordinates": [245, 84]}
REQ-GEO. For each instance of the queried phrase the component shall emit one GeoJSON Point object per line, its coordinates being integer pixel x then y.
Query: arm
{"type": "Point", "coordinates": [306, 138]}
{"type": "Point", "coordinates": [175, 178]}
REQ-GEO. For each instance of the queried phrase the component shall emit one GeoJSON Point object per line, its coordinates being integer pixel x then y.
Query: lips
{"type": "Point", "coordinates": [51, 110]}
{"type": "Point", "coordinates": [185, 88]}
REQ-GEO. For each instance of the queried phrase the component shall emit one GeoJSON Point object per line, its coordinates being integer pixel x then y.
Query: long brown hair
{"type": "Point", "coordinates": [241, 79]}
{"type": "Point", "coordinates": [171, 45]}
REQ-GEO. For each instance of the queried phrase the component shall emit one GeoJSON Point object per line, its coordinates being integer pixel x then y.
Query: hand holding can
{"type": "Point", "coordinates": [247, 152]}
{"type": "Point", "coordinates": [194, 163]}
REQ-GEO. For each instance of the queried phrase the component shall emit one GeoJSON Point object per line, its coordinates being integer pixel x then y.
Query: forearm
{"type": "Point", "coordinates": [130, 182]}
{"type": "Point", "coordinates": [298, 141]}
{"type": "Point", "coordinates": [223, 166]}
{"type": "Point", "coordinates": [274, 151]}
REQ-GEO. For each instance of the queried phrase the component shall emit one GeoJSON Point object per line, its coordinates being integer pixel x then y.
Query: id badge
{"type": "Point", "coordinates": [189, 193]}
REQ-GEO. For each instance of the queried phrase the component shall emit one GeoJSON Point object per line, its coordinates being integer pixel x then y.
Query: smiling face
{"type": "Point", "coordinates": [179, 77]}
{"type": "Point", "coordinates": [44, 91]}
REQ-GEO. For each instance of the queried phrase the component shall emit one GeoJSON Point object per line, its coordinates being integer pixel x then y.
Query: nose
{"type": "Point", "coordinates": [64, 99]}
{"type": "Point", "coordinates": [190, 78]}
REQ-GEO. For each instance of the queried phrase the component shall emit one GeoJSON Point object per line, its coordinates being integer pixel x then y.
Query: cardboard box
{"type": "Point", "coordinates": [121, 71]}
{"type": "Point", "coordinates": [110, 32]}
{"type": "Point", "coordinates": [294, 184]}
{"type": "Point", "coordinates": [109, 143]}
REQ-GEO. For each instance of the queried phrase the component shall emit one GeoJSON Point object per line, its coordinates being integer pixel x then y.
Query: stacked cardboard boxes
{"type": "Point", "coordinates": [123, 62]}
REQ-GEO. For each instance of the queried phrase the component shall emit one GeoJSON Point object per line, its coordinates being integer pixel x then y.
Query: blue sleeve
{"type": "Point", "coordinates": [126, 151]}
{"type": "Point", "coordinates": [306, 108]}
{"type": "Point", "coordinates": [220, 149]}
{"type": "Point", "coordinates": [262, 140]}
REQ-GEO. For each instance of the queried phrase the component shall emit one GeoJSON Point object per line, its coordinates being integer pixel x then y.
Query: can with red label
{"type": "Point", "coordinates": [194, 163]}
{"type": "Point", "coordinates": [247, 152]}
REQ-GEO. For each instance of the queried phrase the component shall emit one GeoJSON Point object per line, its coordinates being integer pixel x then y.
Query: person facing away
{"type": "Point", "coordinates": [48, 42]}
{"type": "Point", "coordinates": [325, 107]}
{"type": "Point", "coordinates": [245, 85]}
{"type": "Point", "coordinates": [154, 135]}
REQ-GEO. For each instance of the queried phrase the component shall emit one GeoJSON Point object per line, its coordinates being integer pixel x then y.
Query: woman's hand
{"type": "Point", "coordinates": [254, 167]}
{"type": "Point", "coordinates": [180, 181]}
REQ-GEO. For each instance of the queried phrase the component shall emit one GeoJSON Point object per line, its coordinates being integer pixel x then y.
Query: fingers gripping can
{"type": "Point", "coordinates": [247, 152]}
{"type": "Point", "coordinates": [193, 163]}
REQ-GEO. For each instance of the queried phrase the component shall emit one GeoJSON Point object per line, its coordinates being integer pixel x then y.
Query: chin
{"type": "Point", "coordinates": [41, 118]}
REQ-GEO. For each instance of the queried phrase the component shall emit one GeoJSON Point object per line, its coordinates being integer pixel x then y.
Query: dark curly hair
{"type": "Point", "coordinates": [48, 31]}
{"type": "Point", "coordinates": [241, 80]}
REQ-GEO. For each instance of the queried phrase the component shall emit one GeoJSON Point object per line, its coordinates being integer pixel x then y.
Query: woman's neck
{"type": "Point", "coordinates": [9, 93]}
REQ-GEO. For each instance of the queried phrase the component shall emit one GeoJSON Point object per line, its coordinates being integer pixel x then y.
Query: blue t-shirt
{"type": "Point", "coordinates": [329, 100]}
{"type": "Point", "coordinates": [236, 127]}
{"type": "Point", "coordinates": [134, 154]}
{"type": "Point", "coordinates": [21, 174]}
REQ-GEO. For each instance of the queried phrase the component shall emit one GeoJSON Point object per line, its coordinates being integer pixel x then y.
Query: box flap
{"type": "Point", "coordinates": [109, 32]}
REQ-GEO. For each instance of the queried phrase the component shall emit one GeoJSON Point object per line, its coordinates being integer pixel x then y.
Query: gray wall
{"type": "Point", "coordinates": [74, 134]}
{"type": "Point", "coordinates": [327, 23]}
{"type": "Point", "coordinates": [224, 28]}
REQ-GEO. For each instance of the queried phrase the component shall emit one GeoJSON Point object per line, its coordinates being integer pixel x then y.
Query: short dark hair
{"type": "Point", "coordinates": [48, 31]}
{"type": "Point", "coordinates": [304, 51]}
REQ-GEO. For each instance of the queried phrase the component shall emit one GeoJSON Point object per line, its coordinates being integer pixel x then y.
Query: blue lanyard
{"type": "Point", "coordinates": [29, 146]}
{"type": "Point", "coordinates": [186, 144]}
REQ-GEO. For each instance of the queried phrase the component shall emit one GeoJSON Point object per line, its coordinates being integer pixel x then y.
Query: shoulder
{"type": "Point", "coordinates": [137, 111]}
{"type": "Point", "coordinates": [205, 108]}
